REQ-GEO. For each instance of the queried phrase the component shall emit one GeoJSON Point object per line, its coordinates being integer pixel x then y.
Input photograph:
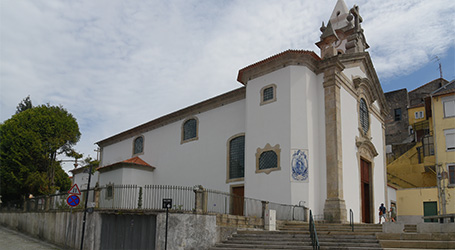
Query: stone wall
{"type": "Point", "coordinates": [60, 228]}
{"type": "Point", "coordinates": [416, 96]}
{"type": "Point", "coordinates": [398, 227]}
{"type": "Point", "coordinates": [397, 131]}
{"type": "Point", "coordinates": [186, 231]}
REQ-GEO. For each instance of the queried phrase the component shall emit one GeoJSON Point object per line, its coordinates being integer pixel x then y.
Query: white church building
{"type": "Point", "coordinates": [303, 129]}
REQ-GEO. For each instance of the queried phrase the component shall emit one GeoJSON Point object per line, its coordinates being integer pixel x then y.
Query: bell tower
{"type": "Point", "coordinates": [343, 33]}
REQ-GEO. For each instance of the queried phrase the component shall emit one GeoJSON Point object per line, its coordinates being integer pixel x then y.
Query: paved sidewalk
{"type": "Point", "coordinates": [13, 240]}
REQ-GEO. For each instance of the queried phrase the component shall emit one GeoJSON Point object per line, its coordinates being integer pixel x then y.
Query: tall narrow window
{"type": "Point", "coordinates": [190, 130]}
{"type": "Point", "coordinates": [398, 114]}
{"type": "Point", "coordinates": [236, 157]}
{"type": "Point", "coordinates": [364, 116]}
{"type": "Point", "coordinates": [449, 106]}
{"type": "Point", "coordinates": [452, 174]}
{"type": "Point", "coordinates": [450, 139]}
{"type": "Point", "coordinates": [138, 146]}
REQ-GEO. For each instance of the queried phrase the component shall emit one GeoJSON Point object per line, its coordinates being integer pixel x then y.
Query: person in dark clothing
{"type": "Point", "coordinates": [382, 213]}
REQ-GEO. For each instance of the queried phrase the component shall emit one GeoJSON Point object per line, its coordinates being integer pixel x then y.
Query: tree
{"type": "Point", "coordinates": [29, 144]}
{"type": "Point", "coordinates": [24, 105]}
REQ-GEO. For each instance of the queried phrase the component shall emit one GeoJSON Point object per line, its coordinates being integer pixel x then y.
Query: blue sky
{"type": "Point", "coordinates": [116, 64]}
{"type": "Point", "coordinates": [424, 74]}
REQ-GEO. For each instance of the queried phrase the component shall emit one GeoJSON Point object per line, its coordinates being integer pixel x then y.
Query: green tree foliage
{"type": "Point", "coordinates": [29, 144]}
{"type": "Point", "coordinates": [24, 105]}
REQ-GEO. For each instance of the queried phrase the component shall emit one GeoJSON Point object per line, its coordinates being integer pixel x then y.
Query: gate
{"type": "Point", "coordinates": [128, 231]}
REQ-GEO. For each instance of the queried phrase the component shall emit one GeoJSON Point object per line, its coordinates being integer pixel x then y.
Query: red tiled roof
{"type": "Point", "coordinates": [133, 161]}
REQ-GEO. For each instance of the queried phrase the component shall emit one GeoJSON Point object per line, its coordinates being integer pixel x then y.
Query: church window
{"type": "Point", "coordinates": [138, 145]}
{"type": "Point", "coordinates": [268, 94]}
{"type": "Point", "coordinates": [236, 158]}
{"type": "Point", "coordinates": [109, 191]}
{"type": "Point", "coordinates": [268, 159]}
{"type": "Point", "coordinates": [397, 114]}
{"type": "Point", "coordinates": [364, 116]}
{"type": "Point", "coordinates": [190, 130]}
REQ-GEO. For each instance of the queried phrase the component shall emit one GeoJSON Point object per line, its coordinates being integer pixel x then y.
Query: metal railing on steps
{"type": "Point", "coordinates": [351, 219]}
{"type": "Point", "coordinates": [313, 233]}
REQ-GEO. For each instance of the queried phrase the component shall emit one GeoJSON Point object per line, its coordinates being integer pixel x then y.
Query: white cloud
{"type": "Point", "coordinates": [117, 64]}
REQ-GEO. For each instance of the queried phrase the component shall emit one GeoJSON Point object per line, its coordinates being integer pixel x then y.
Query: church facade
{"type": "Point", "coordinates": [303, 129]}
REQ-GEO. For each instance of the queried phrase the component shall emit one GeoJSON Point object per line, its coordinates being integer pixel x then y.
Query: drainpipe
{"type": "Point", "coordinates": [439, 166]}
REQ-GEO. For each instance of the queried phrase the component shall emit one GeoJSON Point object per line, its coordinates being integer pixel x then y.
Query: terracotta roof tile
{"type": "Point", "coordinates": [137, 161]}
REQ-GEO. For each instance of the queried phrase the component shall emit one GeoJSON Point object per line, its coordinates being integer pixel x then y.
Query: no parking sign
{"type": "Point", "coordinates": [73, 200]}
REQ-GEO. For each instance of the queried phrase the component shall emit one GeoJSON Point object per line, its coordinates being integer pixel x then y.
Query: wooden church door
{"type": "Point", "coordinates": [237, 200]}
{"type": "Point", "coordinates": [365, 190]}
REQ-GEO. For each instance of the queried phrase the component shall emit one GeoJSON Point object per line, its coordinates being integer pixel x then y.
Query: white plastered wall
{"type": "Point", "coordinates": [308, 133]}
{"type": "Point", "coordinates": [269, 123]}
{"type": "Point", "coordinates": [199, 162]}
{"type": "Point", "coordinates": [351, 174]}
{"type": "Point", "coordinates": [379, 181]}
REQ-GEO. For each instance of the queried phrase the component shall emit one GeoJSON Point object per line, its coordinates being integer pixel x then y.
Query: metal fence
{"type": "Point", "coordinates": [226, 203]}
{"type": "Point", "coordinates": [183, 198]}
{"type": "Point", "coordinates": [119, 197]}
{"type": "Point", "coordinates": [149, 197]}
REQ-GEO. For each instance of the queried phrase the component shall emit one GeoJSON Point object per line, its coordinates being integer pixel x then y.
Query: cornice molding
{"type": "Point", "coordinates": [279, 61]}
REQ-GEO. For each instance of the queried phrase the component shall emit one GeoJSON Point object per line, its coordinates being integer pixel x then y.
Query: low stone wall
{"type": "Point", "coordinates": [398, 227]}
{"type": "Point", "coordinates": [60, 228]}
{"type": "Point", "coordinates": [186, 231]}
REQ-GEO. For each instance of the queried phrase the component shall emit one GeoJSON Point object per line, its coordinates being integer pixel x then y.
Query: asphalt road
{"type": "Point", "coordinates": [13, 240]}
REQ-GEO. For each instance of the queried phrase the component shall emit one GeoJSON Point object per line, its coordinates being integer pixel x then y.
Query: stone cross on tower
{"type": "Point", "coordinates": [356, 41]}
{"type": "Point", "coordinates": [357, 18]}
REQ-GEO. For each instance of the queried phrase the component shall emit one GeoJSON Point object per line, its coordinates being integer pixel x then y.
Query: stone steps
{"type": "Point", "coordinates": [295, 235]}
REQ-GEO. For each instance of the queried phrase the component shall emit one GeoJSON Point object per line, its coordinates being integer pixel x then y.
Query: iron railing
{"type": "Point", "coordinates": [226, 203]}
{"type": "Point", "coordinates": [119, 197]}
{"type": "Point", "coordinates": [183, 198]}
{"type": "Point", "coordinates": [351, 219]}
{"type": "Point", "coordinates": [149, 197]}
{"type": "Point", "coordinates": [313, 233]}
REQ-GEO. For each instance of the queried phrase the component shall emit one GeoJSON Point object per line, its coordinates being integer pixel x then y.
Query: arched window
{"type": "Point", "coordinates": [138, 145]}
{"type": "Point", "coordinates": [268, 94]}
{"type": "Point", "coordinates": [236, 158]}
{"type": "Point", "coordinates": [364, 116]}
{"type": "Point", "coordinates": [189, 130]}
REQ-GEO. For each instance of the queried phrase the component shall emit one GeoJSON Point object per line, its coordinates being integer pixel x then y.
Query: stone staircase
{"type": "Point", "coordinates": [295, 235]}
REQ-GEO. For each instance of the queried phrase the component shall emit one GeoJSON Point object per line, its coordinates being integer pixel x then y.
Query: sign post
{"type": "Point", "coordinates": [167, 203]}
{"type": "Point", "coordinates": [85, 207]}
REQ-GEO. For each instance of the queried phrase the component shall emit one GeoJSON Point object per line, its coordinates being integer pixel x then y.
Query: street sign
{"type": "Point", "coordinates": [74, 190]}
{"type": "Point", "coordinates": [167, 203]}
{"type": "Point", "coordinates": [73, 200]}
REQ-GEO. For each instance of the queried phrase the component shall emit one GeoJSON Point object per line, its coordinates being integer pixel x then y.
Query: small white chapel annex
{"type": "Point", "coordinates": [304, 128]}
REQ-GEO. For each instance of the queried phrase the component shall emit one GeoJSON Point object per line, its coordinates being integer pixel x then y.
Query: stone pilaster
{"type": "Point", "coordinates": [335, 207]}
